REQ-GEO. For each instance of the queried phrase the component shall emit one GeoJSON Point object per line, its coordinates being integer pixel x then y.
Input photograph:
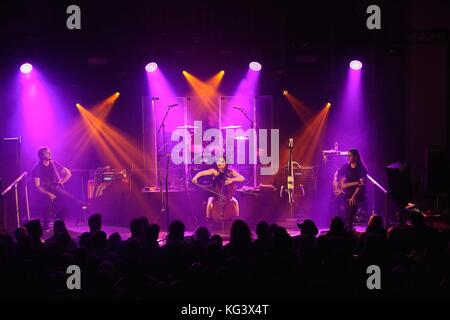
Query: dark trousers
{"type": "Point", "coordinates": [49, 210]}
{"type": "Point", "coordinates": [342, 208]}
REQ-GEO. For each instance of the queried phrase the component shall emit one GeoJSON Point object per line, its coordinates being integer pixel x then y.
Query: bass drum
{"type": "Point", "coordinates": [205, 181]}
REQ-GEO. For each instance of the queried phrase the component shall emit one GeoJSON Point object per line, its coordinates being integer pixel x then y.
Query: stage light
{"type": "Point", "coordinates": [328, 105]}
{"type": "Point", "coordinates": [78, 105]}
{"type": "Point", "coordinates": [151, 67]}
{"type": "Point", "coordinates": [355, 65]}
{"type": "Point", "coordinates": [285, 93]}
{"type": "Point", "coordinates": [117, 93]}
{"type": "Point", "coordinates": [255, 66]}
{"type": "Point", "coordinates": [26, 68]}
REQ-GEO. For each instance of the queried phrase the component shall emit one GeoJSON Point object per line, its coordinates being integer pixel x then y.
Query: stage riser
{"type": "Point", "coordinates": [119, 207]}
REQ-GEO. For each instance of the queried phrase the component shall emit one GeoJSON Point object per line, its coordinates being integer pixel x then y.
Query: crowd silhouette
{"type": "Point", "coordinates": [414, 261]}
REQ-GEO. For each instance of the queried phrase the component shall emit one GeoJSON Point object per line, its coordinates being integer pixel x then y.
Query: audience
{"type": "Point", "coordinates": [414, 260]}
{"type": "Point", "coordinates": [95, 223]}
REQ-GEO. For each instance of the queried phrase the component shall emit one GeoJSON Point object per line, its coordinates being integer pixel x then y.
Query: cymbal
{"type": "Point", "coordinates": [231, 127]}
{"type": "Point", "coordinates": [187, 126]}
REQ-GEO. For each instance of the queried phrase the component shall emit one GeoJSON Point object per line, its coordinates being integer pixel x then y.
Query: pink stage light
{"type": "Point", "coordinates": [255, 66]}
{"type": "Point", "coordinates": [355, 65]}
{"type": "Point", "coordinates": [151, 67]}
{"type": "Point", "coordinates": [26, 68]}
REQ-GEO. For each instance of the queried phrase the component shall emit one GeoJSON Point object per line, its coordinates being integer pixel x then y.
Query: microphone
{"type": "Point", "coordinates": [172, 105]}
{"type": "Point", "coordinates": [291, 143]}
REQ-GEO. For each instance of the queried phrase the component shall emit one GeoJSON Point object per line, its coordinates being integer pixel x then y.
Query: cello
{"type": "Point", "coordinates": [223, 206]}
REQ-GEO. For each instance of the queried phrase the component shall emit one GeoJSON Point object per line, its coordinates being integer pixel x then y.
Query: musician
{"type": "Point", "coordinates": [350, 181]}
{"type": "Point", "coordinates": [49, 177]}
{"type": "Point", "coordinates": [223, 177]}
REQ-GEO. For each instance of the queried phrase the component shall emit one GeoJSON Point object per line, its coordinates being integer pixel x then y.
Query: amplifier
{"type": "Point", "coordinates": [109, 176]}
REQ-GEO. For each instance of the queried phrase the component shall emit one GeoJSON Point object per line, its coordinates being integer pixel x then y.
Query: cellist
{"type": "Point", "coordinates": [224, 178]}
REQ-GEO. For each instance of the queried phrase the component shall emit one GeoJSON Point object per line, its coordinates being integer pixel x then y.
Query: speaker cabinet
{"type": "Point", "coordinates": [399, 181]}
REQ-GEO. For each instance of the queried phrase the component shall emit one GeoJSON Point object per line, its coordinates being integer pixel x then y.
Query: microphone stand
{"type": "Point", "coordinates": [164, 204]}
{"type": "Point", "coordinates": [245, 114]}
{"type": "Point", "coordinates": [290, 182]}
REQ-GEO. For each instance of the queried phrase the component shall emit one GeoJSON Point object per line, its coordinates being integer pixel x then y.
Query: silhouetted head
{"type": "Point", "coordinates": [114, 241]}
{"type": "Point", "coordinates": [95, 222]}
{"type": "Point", "coordinates": [85, 240]}
{"type": "Point", "coordinates": [262, 230]}
{"type": "Point", "coordinates": [337, 225]}
{"type": "Point", "coordinates": [152, 232]}
{"type": "Point", "coordinates": [34, 228]}
{"type": "Point", "coordinates": [272, 228]}
{"type": "Point", "coordinates": [308, 228]}
{"type": "Point", "coordinates": [59, 226]}
{"type": "Point", "coordinates": [240, 233]}
{"type": "Point", "coordinates": [375, 223]}
{"type": "Point", "coordinates": [136, 228]}
{"type": "Point", "coordinates": [144, 222]}
{"type": "Point", "coordinates": [217, 239]}
{"type": "Point", "coordinates": [176, 231]}
{"type": "Point", "coordinates": [281, 239]}
{"type": "Point", "coordinates": [63, 239]}
{"type": "Point", "coordinates": [115, 237]}
{"type": "Point", "coordinates": [202, 234]}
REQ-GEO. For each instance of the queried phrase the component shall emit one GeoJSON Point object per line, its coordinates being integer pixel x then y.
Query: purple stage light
{"type": "Point", "coordinates": [151, 67]}
{"type": "Point", "coordinates": [255, 66]}
{"type": "Point", "coordinates": [26, 68]}
{"type": "Point", "coordinates": [355, 65]}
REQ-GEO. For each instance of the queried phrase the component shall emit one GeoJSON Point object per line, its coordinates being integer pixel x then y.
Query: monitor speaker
{"type": "Point", "coordinates": [399, 181]}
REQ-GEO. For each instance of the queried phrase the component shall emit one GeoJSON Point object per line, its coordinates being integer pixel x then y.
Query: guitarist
{"type": "Point", "coordinates": [49, 177]}
{"type": "Point", "coordinates": [349, 185]}
{"type": "Point", "coordinates": [223, 177]}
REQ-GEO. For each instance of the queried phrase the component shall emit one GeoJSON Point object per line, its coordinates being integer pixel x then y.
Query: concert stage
{"type": "Point", "coordinates": [119, 207]}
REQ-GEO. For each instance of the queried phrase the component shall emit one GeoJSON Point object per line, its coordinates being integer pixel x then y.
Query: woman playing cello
{"type": "Point", "coordinates": [223, 205]}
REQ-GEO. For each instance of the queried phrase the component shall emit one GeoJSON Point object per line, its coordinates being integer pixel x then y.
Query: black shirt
{"type": "Point", "coordinates": [47, 175]}
{"type": "Point", "coordinates": [352, 175]}
{"type": "Point", "coordinates": [219, 181]}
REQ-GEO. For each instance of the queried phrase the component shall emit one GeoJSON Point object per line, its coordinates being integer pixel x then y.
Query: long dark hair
{"type": "Point", "coordinates": [219, 180]}
{"type": "Point", "coordinates": [227, 167]}
{"type": "Point", "coordinates": [358, 158]}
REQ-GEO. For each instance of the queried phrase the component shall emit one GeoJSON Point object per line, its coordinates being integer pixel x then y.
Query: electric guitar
{"type": "Point", "coordinates": [339, 187]}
